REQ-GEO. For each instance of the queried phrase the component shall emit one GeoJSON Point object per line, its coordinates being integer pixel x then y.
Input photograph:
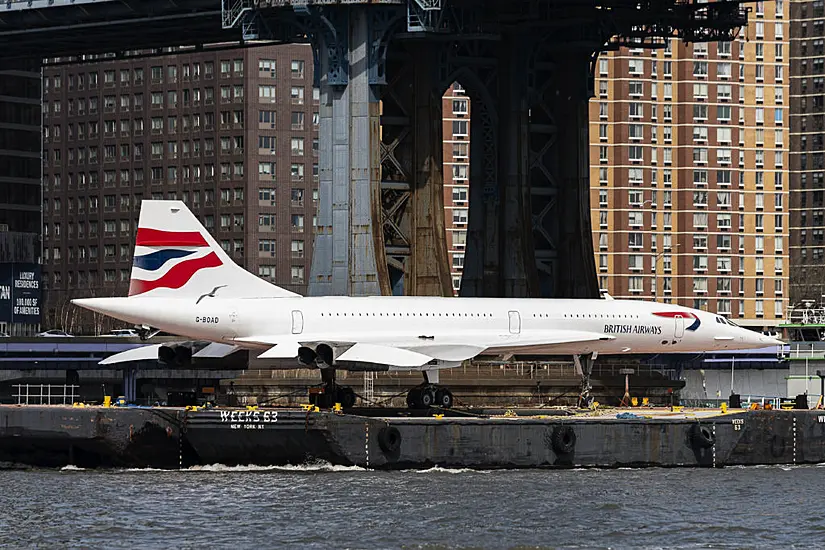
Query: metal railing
{"type": "Point", "coordinates": [812, 350]}
{"type": "Point", "coordinates": [46, 394]}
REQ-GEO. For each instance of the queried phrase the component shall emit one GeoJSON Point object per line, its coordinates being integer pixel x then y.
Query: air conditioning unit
{"type": "Point", "coordinates": [4, 227]}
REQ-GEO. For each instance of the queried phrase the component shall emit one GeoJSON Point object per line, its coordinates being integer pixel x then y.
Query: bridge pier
{"type": "Point", "coordinates": [529, 227]}
{"type": "Point", "coordinates": [576, 275]}
{"type": "Point", "coordinates": [346, 243]}
{"type": "Point", "coordinates": [381, 217]}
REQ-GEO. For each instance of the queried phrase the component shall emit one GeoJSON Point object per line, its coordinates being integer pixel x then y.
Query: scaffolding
{"type": "Point", "coordinates": [46, 394]}
{"type": "Point", "coordinates": [369, 386]}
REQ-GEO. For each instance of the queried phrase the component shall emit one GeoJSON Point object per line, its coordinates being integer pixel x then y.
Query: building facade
{"type": "Point", "coordinates": [689, 183]}
{"type": "Point", "coordinates": [807, 158]}
{"type": "Point", "coordinates": [456, 136]}
{"type": "Point", "coordinates": [20, 217]}
{"type": "Point", "coordinates": [233, 134]}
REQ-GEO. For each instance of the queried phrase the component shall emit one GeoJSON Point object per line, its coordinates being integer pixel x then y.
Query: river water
{"type": "Point", "coordinates": [335, 507]}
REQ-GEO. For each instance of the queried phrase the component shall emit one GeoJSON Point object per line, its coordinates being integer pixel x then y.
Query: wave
{"type": "Point", "coordinates": [72, 468]}
{"type": "Point", "coordinates": [440, 470]}
{"type": "Point", "coordinates": [310, 467]}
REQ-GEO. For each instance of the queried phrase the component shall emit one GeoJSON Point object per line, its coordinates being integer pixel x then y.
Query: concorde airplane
{"type": "Point", "coordinates": [184, 283]}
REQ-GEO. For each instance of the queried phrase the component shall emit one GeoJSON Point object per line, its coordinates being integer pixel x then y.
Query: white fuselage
{"type": "Point", "coordinates": [525, 326]}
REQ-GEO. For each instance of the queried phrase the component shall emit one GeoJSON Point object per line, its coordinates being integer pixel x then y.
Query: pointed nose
{"type": "Point", "coordinates": [771, 341]}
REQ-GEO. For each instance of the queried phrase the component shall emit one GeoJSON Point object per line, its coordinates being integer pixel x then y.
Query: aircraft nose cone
{"type": "Point", "coordinates": [770, 341]}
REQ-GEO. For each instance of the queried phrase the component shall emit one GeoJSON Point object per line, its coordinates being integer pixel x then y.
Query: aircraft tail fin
{"type": "Point", "coordinates": [176, 256]}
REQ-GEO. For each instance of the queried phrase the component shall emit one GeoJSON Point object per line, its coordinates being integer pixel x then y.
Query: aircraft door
{"type": "Point", "coordinates": [297, 322]}
{"type": "Point", "coordinates": [679, 329]}
{"type": "Point", "coordinates": [515, 322]}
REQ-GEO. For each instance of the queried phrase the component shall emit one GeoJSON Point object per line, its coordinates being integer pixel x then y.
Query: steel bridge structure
{"type": "Point", "coordinates": [382, 67]}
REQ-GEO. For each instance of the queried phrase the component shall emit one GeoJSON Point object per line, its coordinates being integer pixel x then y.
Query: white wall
{"type": "Point", "coordinates": [715, 384]}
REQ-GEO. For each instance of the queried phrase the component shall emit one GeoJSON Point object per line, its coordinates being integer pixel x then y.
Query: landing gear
{"type": "Point", "coordinates": [331, 393]}
{"type": "Point", "coordinates": [585, 371]}
{"type": "Point", "coordinates": [430, 394]}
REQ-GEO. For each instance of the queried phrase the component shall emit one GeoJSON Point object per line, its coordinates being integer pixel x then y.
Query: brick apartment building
{"type": "Point", "coordinates": [689, 183]}
{"type": "Point", "coordinates": [456, 136]}
{"type": "Point", "coordinates": [231, 133]}
{"type": "Point", "coordinates": [807, 158]}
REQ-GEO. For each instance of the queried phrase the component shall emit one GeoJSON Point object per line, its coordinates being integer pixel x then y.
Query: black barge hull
{"type": "Point", "coordinates": [172, 438]}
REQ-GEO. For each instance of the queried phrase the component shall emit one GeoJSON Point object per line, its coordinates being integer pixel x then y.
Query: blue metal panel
{"type": "Point", "coordinates": [17, 5]}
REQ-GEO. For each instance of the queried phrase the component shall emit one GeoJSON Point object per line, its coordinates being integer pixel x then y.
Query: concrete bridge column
{"type": "Point", "coordinates": [412, 192]}
{"type": "Point", "coordinates": [517, 275]}
{"type": "Point", "coordinates": [429, 272]}
{"type": "Point", "coordinates": [577, 277]}
{"type": "Point", "coordinates": [344, 259]}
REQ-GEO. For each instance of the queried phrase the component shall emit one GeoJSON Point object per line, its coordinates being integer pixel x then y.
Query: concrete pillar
{"type": "Point", "coordinates": [481, 260]}
{"type": "Point", "coordinates": [576, 274]}
{"type": "Point", "coordinates": [428, 273]}
{"type": "Point", "coordinates": [344, 260]}
{"type": "Point", "coordinates": [513, 148]}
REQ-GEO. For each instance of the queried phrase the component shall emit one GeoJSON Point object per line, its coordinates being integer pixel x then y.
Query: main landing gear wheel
{"type": "Point", "coordinates": [443, 398]}
{"type": "Point", "coordinates": [424, 397]}
{"type": "Point", "coordinates": [345, 396]}
{"type": "Point", "coordinates": [332, 393]}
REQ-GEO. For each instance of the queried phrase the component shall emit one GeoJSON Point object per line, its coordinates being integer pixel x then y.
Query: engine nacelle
{"type": "Point", "coordinates": [177, 355]}
{"type": "Point", "coordinates": [325, 354]}
{"type": "Point", "coordinates": [307, 356]}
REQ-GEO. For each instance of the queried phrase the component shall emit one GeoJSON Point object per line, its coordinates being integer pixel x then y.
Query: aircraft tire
{"type": "Point", "coordinates": [346, 397]}
{"type": "Point", "coordinates": [389, 439]}
{"type": "Point", "coordinates": [427, 398]}
{"type": "Point", "coordinates": [563, 440]}
{"type": "Point", "coordinates": [443, 398]}
{"type": "Point", "coordinates": [702, 436]}
{"type": "Point", "coordinates": [413, 397]}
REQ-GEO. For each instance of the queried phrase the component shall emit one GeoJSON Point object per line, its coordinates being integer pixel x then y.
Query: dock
{"type": "Point", "coordinates": [167, 437]}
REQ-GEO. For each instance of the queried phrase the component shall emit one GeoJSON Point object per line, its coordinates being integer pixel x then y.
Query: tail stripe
{"type": "Point", "coordinates": [155, 260]}
{"type": "Point", "coordinates": [158, 237]}
{"type": "Point", "coordinates": [176, 277]}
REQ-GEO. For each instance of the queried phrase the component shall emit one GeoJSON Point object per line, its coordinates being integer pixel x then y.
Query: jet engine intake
{"type": "Point", "coordinates": [307, 356]}
{"type": "Point", "coordinates": [325, 354]}
{"type": "Point", "coordinates": [175, 355]}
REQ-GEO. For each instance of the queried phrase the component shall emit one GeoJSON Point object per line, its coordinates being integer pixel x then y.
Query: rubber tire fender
{"type": "Point", "coordinates": [702, 437]}
{"type": "Point", "coordinates": [389, 439]}
{"type": "Point", "coordinates": [563, 439]}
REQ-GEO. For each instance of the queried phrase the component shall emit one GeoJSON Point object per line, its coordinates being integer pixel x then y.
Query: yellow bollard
{"type": "Point", "coordinates": [645, 401]}
{"type": "Point", "coordinates": [107, 401]}
{"type": "Point", "coordinates": [634, 401]}
{"type": "Point", "coordinates": [724, 408]}
{"type": "Point", "coordinates": [337, 408]}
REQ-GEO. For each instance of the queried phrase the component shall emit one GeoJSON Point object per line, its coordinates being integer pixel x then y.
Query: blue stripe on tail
{"type": "Point", "coordinates": [155, 260]}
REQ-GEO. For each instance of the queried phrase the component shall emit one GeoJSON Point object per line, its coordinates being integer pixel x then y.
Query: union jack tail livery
{"type": "Point", "coordinates": [176, 256]}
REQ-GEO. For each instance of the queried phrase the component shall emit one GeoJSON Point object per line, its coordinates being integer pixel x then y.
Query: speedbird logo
{"type": "Point", "coordinates": [685, 315]}
{"type": "Point", "coordinates": [168, 259]}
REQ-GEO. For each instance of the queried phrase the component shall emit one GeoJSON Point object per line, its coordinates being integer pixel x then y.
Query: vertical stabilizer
{"type": "Point", "coordinates": [176, 256]}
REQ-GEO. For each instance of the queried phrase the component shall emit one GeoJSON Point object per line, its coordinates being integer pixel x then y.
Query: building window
{"type": "Point", "coordinates": [460, 107]}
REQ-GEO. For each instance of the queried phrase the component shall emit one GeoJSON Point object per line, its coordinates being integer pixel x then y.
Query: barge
{"type": "Point", "coordinates": [166, 437]}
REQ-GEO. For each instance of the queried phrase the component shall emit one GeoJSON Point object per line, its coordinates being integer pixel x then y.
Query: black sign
{"type": "Point", "coordinates": [20, 293]}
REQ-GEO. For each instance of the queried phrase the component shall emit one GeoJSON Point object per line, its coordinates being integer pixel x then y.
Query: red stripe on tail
{"type": "Point", "coordinates": [158, 237]}
{"type": "Point", "coordinates": [178, 276]}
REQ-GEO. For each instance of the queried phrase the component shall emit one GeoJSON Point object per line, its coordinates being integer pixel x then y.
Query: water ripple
{"type": "Point", "coordinates": [319, 506]}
